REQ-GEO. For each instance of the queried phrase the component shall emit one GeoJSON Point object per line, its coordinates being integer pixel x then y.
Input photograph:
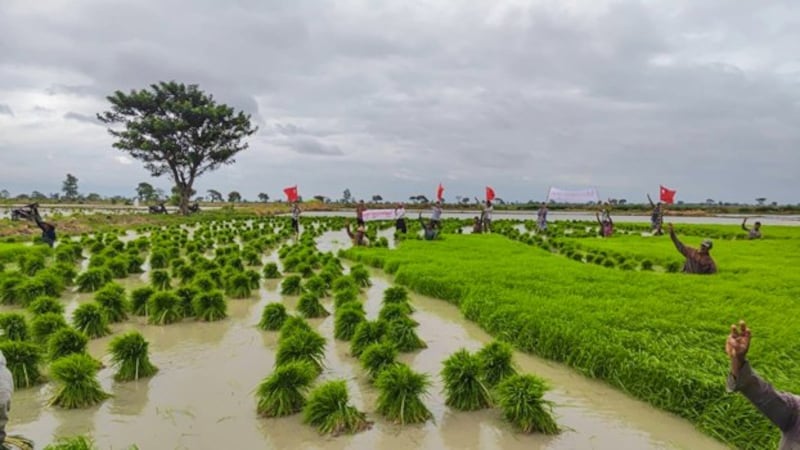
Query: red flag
{"type": "Point", "coordinates": [440, 192]}
{"type": "Point", "coordinates": [667, 195]}
{"type": "Point", "coordinates": [489, 194]}
{"type": "Point", "coordinates": [291, 193]}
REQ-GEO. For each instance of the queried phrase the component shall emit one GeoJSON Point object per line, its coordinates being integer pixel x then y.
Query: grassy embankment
{"type": "Point", "coordinates": [658, 336]}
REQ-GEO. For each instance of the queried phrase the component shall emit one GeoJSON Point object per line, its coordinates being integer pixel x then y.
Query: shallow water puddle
{"type": "Point", "coordinates": [203, 395]}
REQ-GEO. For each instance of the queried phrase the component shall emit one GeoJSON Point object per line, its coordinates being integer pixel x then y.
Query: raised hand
{"type": "Point", "coordinates": [737, 345]}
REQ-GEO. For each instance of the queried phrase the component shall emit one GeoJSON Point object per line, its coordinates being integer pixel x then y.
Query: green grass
{"type": "Point", "coordinates": [655, 335]}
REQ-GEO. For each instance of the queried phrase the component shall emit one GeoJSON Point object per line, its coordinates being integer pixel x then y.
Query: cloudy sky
{"type": "Point", "coordinates": [393, 97]}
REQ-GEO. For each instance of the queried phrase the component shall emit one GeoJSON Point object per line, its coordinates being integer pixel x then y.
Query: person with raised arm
{"type": "Point", "coordinates": [656, 217]}
{"type": "Point", "coordinates": [698, 261]}
{"type": "Point", "coordinates": [541, 217]}
{"type": "Point", "coordinates": [436, 215]}
{"type": "Point", "coordinates": [486, 215]}
{"type": "Point", "coordinates": [781, 408]}
{"type": "Point", "coordinates": [358, 237]}
{"type": "Point", "coordinates": [296, 218]}
{"type": "Point", "coordinates": [48, 229]}
{"type": "Point", "coordinates": [752, 233]}
{"type": "Point", "coordinates": [430, 232]}
{"type": "Point", "coordinates": [606, 224]}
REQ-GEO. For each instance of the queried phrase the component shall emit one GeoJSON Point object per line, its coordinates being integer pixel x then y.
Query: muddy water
{"type": "Point", "coordinates": [202, 397]}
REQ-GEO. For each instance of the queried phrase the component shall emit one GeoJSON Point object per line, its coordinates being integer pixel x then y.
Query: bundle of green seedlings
{"type": "Point", "coordinates": [367, 333]}
{"type": "Point", "coordinates": [45, 304]}
{"type": "Point", "coordinates": [521, 399]}
{"type": "Point", "coordinates": [44, 325]}
{"type": "Point", "coordinates": [187, 295]}
{"type": "Point", "coordinates": [377, 357]}
{"type": "Point", "coordinates": [328, 410]}
{"type": "Point", "coordinates": [93, 279]}
{"type": "Point", "coordinates": [283, 392]}
{"type": "Point", "coordinates": [238, 285]}
{"type": "Point", "coordinates": [66, 341]}
{"type": "Point", "coordinates": [77, 386]}
{"type": "Point", "coordinates": [360, 275]}
{"type": "Point", "coordinates": [90, 319]}
{"type": "Point", "coordinates": [23, 360]}
{"type": "Point", "coordinates": [210, 306]}
{"type": "Point", "coordinates": [346, 319]}
{"type": "Point", "coordinates": [310, 307]}
{"type": "Point", "coordinates": [400, 391]}
{"type": "Point", "coordinates": [292, 285]}
{"type": "Point", "coordinates": [14, 327]}
{"type": "Point", "coordinates": [130, 355]}
{"type": "Point", "coordinates": [272, 317]}
{"type": "Point", "coordinates": [298, 342]}
{"type": "Point", "coordinates": [316, 285]}
{"type": "Point", "coordinates": [271, 271]}
{"type": "Point", "coordinates": [464, 385]}
{"type": "Point", "coordinates": [113, 302]}
{"type": "Point", "coordinates": [164, 307]}
{"type": "Point", "coordinates": [140, 298]}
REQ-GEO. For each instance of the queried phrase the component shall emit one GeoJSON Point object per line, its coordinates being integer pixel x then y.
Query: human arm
{"type": "Point", "coordinates": [347, 229]}
{"type": "Point", "coordinates": [597, 215]}
{"type": "Point", "coordinates": [744, 225]}
{"type": "Point", "coordinates": [678, 244]}
{"type": "Point", "coordinates": [652, 205]}
{"type": "Point", "coordinates": [780, 408]}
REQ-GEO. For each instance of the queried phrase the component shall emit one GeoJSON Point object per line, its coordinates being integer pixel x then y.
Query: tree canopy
{"type": "Point", "coordinates": [177, 130]}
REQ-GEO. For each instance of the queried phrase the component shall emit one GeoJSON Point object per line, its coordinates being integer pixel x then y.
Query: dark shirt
{"type": "Point", "coordinates": [781, 408]}
{"type": "Point", "coordinates": [430, 232]}
{"type": "Point", "coordinates": [752, 233]}
{"type": "Point", "coordinates": [696, 262]}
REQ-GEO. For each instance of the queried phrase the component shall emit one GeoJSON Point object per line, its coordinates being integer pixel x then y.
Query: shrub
{"type": "Point", "coordinates": [139, 300]}
{"type": "Point", "coordinates": [93, 279]}
{"type": "Point", "coordinates": [77, 385]}
{"type": "Point", "coordinates": [301, 346]}
{"type": "Point", "coordinates": [160, 279]}
{"type": "Point", "coordinates": [464, 389]}
{"type": "Point", "coordinates": [367, 333]}
{"type": "Point", "coordinates": [520, 398]}
{"type": "Point", "coordinates": [271, 271]}
{"type": "Point", "coordinates": [15, 327]}
{"type": "Point", "coordinates": [45, 304]}
{"type": "Point", "coordinates": [113, 302]}
{"type": "Point", "coordinates": [496, 363]}
{"type": "Point", "coordinates": [273, 317]}
{"type": "Point", "coordinates": [377, 357]}
{"type": "Point", "coordinates": [90, 319]}
{"type": "Point", "coordinates": [282, 393]}
{"type": "Point", "coordinates": [129, 354]}
{"type": "Point", "coordinates": [310, 307]}
{"type": "Point", "coordinates": [23, 360]}
{"type": "Point", "coordinates": [210, 306]}
{"type": "Point", "coordinates": [402, 334]}
{"type": "Point", "coordinates": [328, 410]}
{"type": "Point", "coordinates": [400, 391]}
{"type": "Point", "coordinates": [346, 320]}
{"type": "Point", "coordinates": [66, 341]}
{"type": "Point", "coordinates": [360, 275]}
{"type": "Point", "coordinates": [43, 325]}
{"type": "Point", "coordinates": [164, 307]}
{"type": "Point", "coordinates": [292, 285]}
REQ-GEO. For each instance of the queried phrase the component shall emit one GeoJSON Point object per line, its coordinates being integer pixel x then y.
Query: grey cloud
{"type": "Point", "coordinates": [82, 118]}
{"type": "Point", "coordinates": [5, 109]}
{"type": "Point", "coordinates": [310, 146]}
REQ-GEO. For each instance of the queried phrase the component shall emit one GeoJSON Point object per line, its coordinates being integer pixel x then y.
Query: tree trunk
{"type": "Point", "coordinates": [185, 193]}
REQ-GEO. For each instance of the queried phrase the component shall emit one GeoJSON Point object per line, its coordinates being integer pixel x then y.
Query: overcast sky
{"type": "Point", "coordinates": [393, 97]}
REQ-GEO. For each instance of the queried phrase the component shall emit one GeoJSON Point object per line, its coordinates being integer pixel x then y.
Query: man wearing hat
{"type": "Point", "coordinates": [697, 261]}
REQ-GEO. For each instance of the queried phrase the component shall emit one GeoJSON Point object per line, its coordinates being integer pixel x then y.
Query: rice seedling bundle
{"type": "Point", "coordinates": [366, 334]}
{"type": "Point", "coordinates": [237, 285]}
{"type": "Point", "coordinates": [210, 306]}
{"type": "Point", "coordinates": [129, 353]}
{"type": "Point", "coordinates": [158, 259]}
{"type": "Point", "coordinates": [93, 279]}
{"type": "Point", "coordinates": [134, 263]}
{"type": "Point", "coordinates": [271, 271]}
{"type": "Point", "coordinates": [310, 307]}
{"type": "Point", "coordinates": [345, 296]}
{"type": "Point", "coordinates": [8, 288]}
{"type": "Point", "coordinates": [396, 311]}
{"type": "Point", "coordinates": [65, 272]}
{"type": "Point", "coordinates": [301, 346]}
{"type": "Point", "coordinates": [186, 274]}
{"type": "Point", "coordinates": [316, 285]}
{"type": "Point", "coordinates": [118, 266]}
{"type": "Point", "coordinates": [283, 392]}
{"type": "Point", "coordinates": [139, 300]}
{"type": "Point", "coordinates": [292, 285]}
{"type": "Point", "coordinates": [401, 334]}
{"type": "Point", "coordinates": [23, 360]}
{"type": "Point", "coordinates": [77, 385]}
{"type": "Point", "coordinates": [400, 391]}
{"type": "Point", "coordinates": [464, 388]}
{"type": "Point", "coordinates": [45, 304]}
{"type": "Point", "coordinates": [187, 295]}
{"type": "Point", "coordinates": [29, 289]}
{"type": "Point", "coordinates": [346, 320]}
{"type": "Point", "coordinates": [254, 278]}
{"type": "Point", "coordinates": [113, 302]}
{"type": "Point", "coordinates": [43, 325]}
{"type": "Point", "coordinates": [66, 341]}
{"type": "Point", "coordinates": [520, 398]}
{"type": "Point", "coordinates": [395, 294]}
{"type": "Point", "coordinates": [377, 357]}
{"type": "Point", "coordinates": [14, 327]}
{"type": "Point", "coordinates": [164, 307]}
{"type": "Point", "coordinates": [251, 257]}
{"type": "Point", "coordinates": [204, 282]}
{"type": "Point", "coordinates": [304, 269]}
{"type": "Point", "coordinates": [30, 263]}
{"type": "Point", "coordinates": [73, 443]}
{"type": "Point", "coordinates": [90, 319]}
{"type": "Point", "coordinates": [329, 411]}
{"type": "Point", "coordinates": [345, 282]}
{"type": "Point", "coordinates": [160, 279]}
{"type": "Point", "coordinates": [273, 317]}
{"type": "Point", "coordinates": [360, 275]}
{"type": "Point", "coordinates": [496, 363]}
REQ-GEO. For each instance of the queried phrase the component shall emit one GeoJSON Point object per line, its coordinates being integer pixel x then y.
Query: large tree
{"type": "Point", "coordinates": [70, 187]}
{"type": "Point", "coordinates": [234, 197]}
{"type": "Point", "coordinates": [214, 195]}
{"type": "Point", "coordinates": [263, 196]}
{"type": "Point", "coordinates": [146, 192]}
{"type": "Point", "coordinates": [177, 130]}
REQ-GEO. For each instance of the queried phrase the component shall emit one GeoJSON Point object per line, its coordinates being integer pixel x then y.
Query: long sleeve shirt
{"type": "Point", "coordinates": [780, 408]}
{"type": "Point", "coordinates": [696, 262]}
{"type": "Point", "coordinates": [429, 232]}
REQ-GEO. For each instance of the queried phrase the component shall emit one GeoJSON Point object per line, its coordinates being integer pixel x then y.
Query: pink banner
{"type": "Point", "coordinates": [378, 214]}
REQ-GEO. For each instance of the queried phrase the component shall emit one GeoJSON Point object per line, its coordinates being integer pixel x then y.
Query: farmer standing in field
{"type": "Point", "coordinates": [697, 261]}
{"type": "Point", "coordinates": [296, 218]}
{"type": "Point", "coordinates": [606, 224]}
{"type": "Point", "coordinates": [486, 215]}
{"type": "Point", "coordinates": [359, 237]}
{"type": "Point", "coordinates": [752, 233]}
{"type": "Point", "coordinates": [400, 218]}
{"type": "Point", "coordinates": [656, 217]}
{"type": "Point", "coordinates": [436, 215]}
{"type": "Point", "coordinates": [360, 213]}
{"type": "Point", "coordinates": [429, 231]}
{"type": "Point", "coordinates": [541, 217]}
{"type": "Point", "coordinates": [781, 408]}
{"type": "Point", "coordinates": [48, 229]}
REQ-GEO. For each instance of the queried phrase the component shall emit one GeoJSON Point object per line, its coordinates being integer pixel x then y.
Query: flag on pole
{"type": "Point", "coordinates": [489, 194]}
{"type": "Point", "coordinates": [667, 195]}
{"type": "Point", "coordinates": [291, 193]}
{"type": "Point", "coordinates": [440, 192]}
